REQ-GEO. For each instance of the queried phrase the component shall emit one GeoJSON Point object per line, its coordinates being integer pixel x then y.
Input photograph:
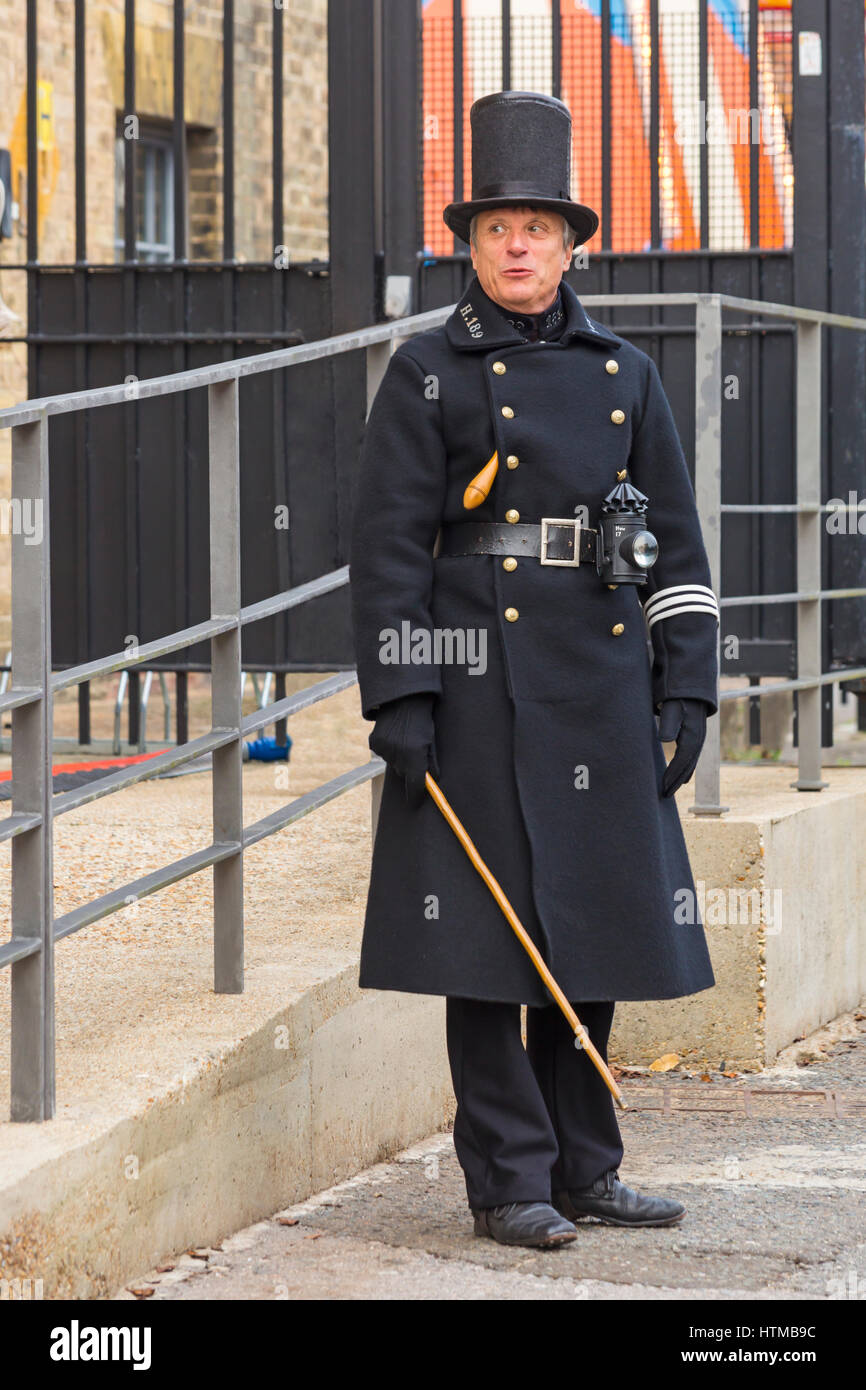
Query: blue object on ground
{"type": "Point", "coordinates": [267, 750]}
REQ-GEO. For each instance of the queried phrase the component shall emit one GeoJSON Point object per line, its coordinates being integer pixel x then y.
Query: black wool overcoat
{"type": "Point", "coordinates": [546, 735]}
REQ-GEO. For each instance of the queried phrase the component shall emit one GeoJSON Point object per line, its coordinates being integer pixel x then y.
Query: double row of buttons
{"type": "Point", "coordinates": [617, 416]}
{"type": "Point", "coordinates": [512, 461]}
{"type": "Point", "coordinates": [611, 366]}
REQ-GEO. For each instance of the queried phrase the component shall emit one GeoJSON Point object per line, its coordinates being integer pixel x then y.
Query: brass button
{"type": "Point", "coordinates": [508, 412]}
{"type": "Point", "coordinates": [618, 629]}
{"type": "Point", "coordinates": [512, 461]}
{"type": "Point", "coordinates": [511, 615]}
{"type": "Point", "coordinates": [618, 417]}
{"type": "Point", "coordinates": [611, 366]}
{"type": "Point", "coordinates": [509, 563]}
{"type": "Point", "coordinates": [621, 475]}
{"type": "Point", "coordinates": [613, 586]}
{"type": "Point", "coordinates": [512, 516]}
{"type": "Point", "coordinates": [499, 368]}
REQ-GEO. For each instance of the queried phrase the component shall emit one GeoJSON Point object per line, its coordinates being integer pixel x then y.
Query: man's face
{"type": "Point", "coordinates": [519, 257]}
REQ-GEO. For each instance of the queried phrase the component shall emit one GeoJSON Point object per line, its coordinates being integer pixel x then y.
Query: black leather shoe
{"type": "Point", "coordinates": [524, 1223]}
{"type": "Point", "coordinates": [609, 1200]}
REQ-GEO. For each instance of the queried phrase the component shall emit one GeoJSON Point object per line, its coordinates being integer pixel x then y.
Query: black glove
{"type": "Point", "coordinates": [685, 721]}
{"type": "Point", "coordinates": [404, 736]}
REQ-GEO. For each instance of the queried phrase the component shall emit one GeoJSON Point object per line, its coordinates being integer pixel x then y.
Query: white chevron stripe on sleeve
{"type": "Point", "coordinates": [677, 592]}
{"type": "Point", "coordinates": [698, 606]}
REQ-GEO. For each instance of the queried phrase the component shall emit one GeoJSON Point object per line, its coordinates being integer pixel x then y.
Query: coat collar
{"type": "Point", "coordinates": [478, 324]}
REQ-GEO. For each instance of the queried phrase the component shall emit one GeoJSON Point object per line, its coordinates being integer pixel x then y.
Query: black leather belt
{"type": "Point", "coordinates": [551, 541]}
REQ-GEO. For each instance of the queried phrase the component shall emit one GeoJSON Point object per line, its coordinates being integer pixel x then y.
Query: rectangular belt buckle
{"type": "Point", "coordinates": [574, 523]}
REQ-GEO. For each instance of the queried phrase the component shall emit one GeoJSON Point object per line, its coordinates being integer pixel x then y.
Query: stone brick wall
{"type": "Point", "coordinates": [306, 144]}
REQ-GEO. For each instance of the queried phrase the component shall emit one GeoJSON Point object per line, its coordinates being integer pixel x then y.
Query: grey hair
{"type": "Point", "coordinates": [568, 232]}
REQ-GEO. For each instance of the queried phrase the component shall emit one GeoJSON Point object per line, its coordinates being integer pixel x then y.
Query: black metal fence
{"type": "Point", "coordinates": [130, 521]}
{"type": "Point", "coordinates": [683, 207]}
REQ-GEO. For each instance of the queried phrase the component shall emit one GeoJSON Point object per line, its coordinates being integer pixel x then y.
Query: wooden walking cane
{"type": "Point", "coordinates": [581, 1037]}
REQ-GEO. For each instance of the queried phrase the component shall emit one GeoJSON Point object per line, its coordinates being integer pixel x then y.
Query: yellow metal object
{"type": "Point", "coordinates": [47, 153]}
{"type": "Point", "coordinates": [512, 515]}
{"type": "Point", "coordinates": [508, 412]}
{"type": "Point", "coordinates": [479, 488]}
{"type": "Point", "coordinates": [511, 615]}
{"type": "Point", "coordinates": [499, 368]}
{"type": "Point", "coordinates": [512, 461]}
{"type": "Point", "coordinates": [509, 563]}
{"type": "Point", "coordinates": [622, 474]}
{"type": "Point", "coordinates": [612, 367]}
{"type": "Point", "coordinates": [618, 417]}
{"type": "Point", "coordinates": [618, 629]}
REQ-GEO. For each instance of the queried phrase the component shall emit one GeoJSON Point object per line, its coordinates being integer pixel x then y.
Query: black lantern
{"type": "Point", "coordinates": [626, 548]}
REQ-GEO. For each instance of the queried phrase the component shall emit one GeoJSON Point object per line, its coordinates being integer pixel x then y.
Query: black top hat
{"type": "Point", "coordinates": [521, 153]}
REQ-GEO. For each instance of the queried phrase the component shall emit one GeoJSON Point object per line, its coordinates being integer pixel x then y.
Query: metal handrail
{"type": "Point", "coordinates": [220, 373]}
{"type": "Point", "coordinates": [29, 696]}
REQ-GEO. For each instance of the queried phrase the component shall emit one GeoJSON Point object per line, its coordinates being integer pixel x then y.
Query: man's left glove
{"type": "Point", "coordinates": [404, 736]}
{"type": "Point", "coordinates": [686, 722]}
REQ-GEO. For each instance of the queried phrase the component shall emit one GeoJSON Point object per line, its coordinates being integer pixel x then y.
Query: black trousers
{"type": "Point", "coordinates": [529, 1120]}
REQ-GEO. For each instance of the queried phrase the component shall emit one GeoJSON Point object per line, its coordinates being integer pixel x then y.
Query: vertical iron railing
{"type": "Point", "coordinates": [179, 132]}
{"type": "Point", "coordinates": [809, 518]}
{"type": "Point", "coordinates": [708, 497]}
{"type": "Point", "coordinates": [226, 686]}
{"type": "Point", "coordinates": [34, 929]}
{"type": "Point", "coordinates": [30, 824]}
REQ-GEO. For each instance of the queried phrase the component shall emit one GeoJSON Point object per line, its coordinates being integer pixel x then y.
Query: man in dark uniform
{"type": "Point", "coordinates": [491, 652]}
